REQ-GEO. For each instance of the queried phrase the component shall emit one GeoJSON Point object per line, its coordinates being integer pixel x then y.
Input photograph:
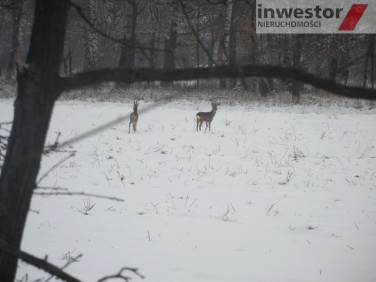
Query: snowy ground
{"type": "Point", "coordinates": [270, 194]}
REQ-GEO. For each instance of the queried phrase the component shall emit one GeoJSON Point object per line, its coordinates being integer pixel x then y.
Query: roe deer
{"type": "Point", "coordinates": [134, 117]}
{"type": "Point", "coordinates": [206, 117]}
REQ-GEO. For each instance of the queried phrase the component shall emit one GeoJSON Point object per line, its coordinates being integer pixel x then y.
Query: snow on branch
{"type": "Point", "coordinates": [229, 71]}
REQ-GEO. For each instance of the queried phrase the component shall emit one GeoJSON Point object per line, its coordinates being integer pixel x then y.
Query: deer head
{"type": "Point", "coordinates": [135, 106]}
{"type": "Point", "coordinates": [215, 105]}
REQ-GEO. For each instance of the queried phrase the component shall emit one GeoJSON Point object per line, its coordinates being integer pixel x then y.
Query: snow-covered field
{"type": "Point", "coordinates": [270, 194]}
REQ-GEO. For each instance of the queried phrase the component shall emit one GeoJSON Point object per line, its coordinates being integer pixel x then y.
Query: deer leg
{"type": "Point", "coordinates": [206, 123]}
{"type": "Point", "coordinates": [129, 129]}
{"type": "Point", "coordinates": [134, 127]}
{"type": "Point", "coordinates": [201, 124]}
{"type": "Point", "coordinates": [209, 125]}
{"type": "Point", "coordinates": [197, 121]}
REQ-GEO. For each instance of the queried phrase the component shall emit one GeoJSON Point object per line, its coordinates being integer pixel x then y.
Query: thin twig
{"type": "Point", "coordinates": [51, 188]}
{"type": "Point", "coordinates": [54, 167]}
{"type": "Point", "coordinates": [270, 209]}
{"type": "Point", "coordinates": [77, 194]}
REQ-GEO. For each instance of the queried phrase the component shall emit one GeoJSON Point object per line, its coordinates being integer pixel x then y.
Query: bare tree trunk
{"type": "Point", "coordinates": [127, 55]}
{"type": "Point", "coordinates": [212, 41]}
{"type": "Point", "coordinates": [68, 63]}
{"type": "Point", "coordinates": [124, 48]}
{"type": "Point", "coordinates": [197, 41]}
{"type": "Point", "coordinates": [372, 50]}
{"type": "Point", "coordinates": [226, 38]}
{"type": "Point", "coordinates": [296, 86]}
{"type": "Point", "coordinates": [154, 44]}
{"type": "Point", "coordinates": [36, 95]}
{"type": "Point", "coordinates": [232, 37]}
{"type": "Point", "coordinates": [133, 39]}
{"type": "Point", "coordinates": [170, 44]}
{"type": "Point", "coordinates": [334, 60]}
{"type": "Point", "coordinates": [25, 25]}
{"type": "Point", "coordinates": [155, 38]}
{"type": "Point", "coordinates": [16, 22]}
{"type": "Point", "coordinates": [333, 69]}
{"type": "Point", "coordinates": [91, 39]}
{"type": "Point", "coordinates": [365, 72]}
{"type": "Point", "coordinates": [1, 30]}
{"type": "Point", "coordinates": [369, 57]}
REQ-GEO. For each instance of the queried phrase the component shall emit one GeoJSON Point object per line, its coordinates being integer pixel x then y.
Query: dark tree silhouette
{"type": "Point", "coordinates": [36, 95]}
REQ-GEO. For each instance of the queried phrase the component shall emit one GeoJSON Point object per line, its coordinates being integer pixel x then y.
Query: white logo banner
{"type": "Point", "coordinates": [316, 16]}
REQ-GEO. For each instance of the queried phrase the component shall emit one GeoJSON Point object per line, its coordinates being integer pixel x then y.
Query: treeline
{"type": "Point", "coordinates": [172, 34]}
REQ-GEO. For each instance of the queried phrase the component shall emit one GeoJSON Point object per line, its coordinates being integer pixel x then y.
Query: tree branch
{"type": "Point", "coordinates": [54, 167]}
{"type": "Point", "coordinates": [37, 262]}
{"type": "Point", "coordinates": [120, 275]}
{"type": "Point", "coordinates": [138, 75]}
{"type": "Point", "coordinates": [51, 188]}
{"type": "Point", "coordinates": [77, 194]}
{"type": "Point", "coordinates": [69, 262]}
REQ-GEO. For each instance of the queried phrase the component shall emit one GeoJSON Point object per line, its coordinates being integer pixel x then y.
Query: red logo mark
{"type": "Point", "coordinates": [353, 16]}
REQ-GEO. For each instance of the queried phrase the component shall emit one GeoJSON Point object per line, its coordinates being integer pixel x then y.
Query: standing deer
{"type": "Point", "coordinates": [133, 118]}
{"type": "Point", "coordinates": [206, 117]}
